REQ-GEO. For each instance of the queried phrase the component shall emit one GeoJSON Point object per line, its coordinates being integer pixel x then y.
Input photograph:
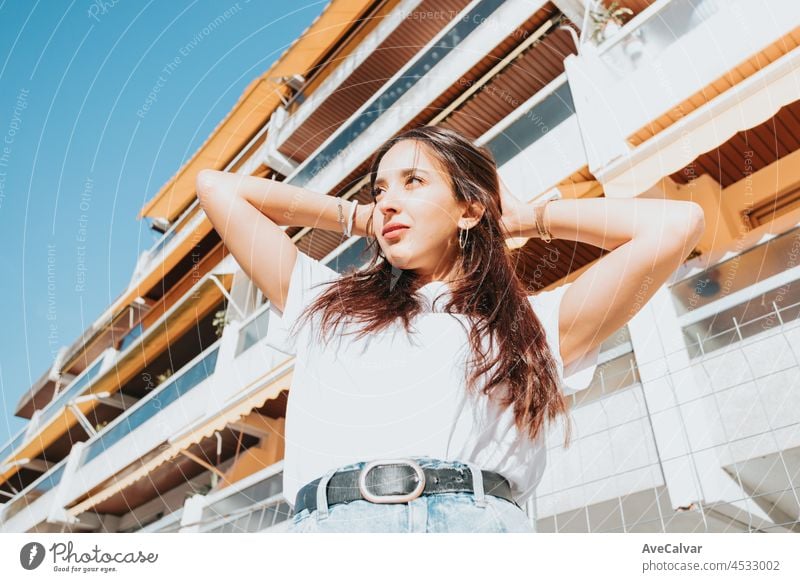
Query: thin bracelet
{"type": "Point", "coordinates": [351, 218]}
{"type": "Point", "coordinates": [538, 211]}
{"type": "Point", "coordinates": [341, 215]}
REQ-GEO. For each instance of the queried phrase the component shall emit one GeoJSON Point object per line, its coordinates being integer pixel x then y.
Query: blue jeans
{"type": "Point", "coordinates": [440, 512]}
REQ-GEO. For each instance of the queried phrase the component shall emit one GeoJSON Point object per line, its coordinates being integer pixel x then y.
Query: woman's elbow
{"type": "Point", "coordinates": [696, 222]}
{"type": "Point", "coordinates": [205, 185]}
{"type": "Point", "coordinates": [687, 224]}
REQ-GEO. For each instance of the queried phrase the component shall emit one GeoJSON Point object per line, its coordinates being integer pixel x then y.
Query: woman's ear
{"type": "Point", "coordinates": [471, 215]}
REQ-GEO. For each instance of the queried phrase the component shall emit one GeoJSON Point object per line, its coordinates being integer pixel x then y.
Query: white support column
{"type": "Point", "coordinates": [192, 514]}
{"type": "Point", "coordinates": [572, 9]}
{"type": "Point", "coordinates": [243, 293]}
{"type": "Point", "coordinates": [225, 380]}
{"type": "Point", "coordinates": [227, 295]}
{"type": "Point", "coordinates": [58, 513]}
{"type": "Point", "coordinates": [603, 138]}
{"type": "Point", "coordinates": [269, 153]}
{"type": "Point", "coordinates": [227, 348]}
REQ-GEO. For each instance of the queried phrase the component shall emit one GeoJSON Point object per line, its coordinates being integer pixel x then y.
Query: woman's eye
{"type": "Point", "coordinates": [378, 191]}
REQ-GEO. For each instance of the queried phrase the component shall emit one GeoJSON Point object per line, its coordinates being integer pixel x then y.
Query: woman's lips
{"type": "Point", "coordinates": [393, 234]}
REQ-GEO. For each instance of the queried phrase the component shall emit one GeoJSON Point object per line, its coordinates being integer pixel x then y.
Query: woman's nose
{"type": "Point", "coordinates": [389, 203]}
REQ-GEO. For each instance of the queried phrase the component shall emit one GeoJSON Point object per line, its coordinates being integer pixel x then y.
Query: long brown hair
{"type": "Point", "coordinates": [488, 291]}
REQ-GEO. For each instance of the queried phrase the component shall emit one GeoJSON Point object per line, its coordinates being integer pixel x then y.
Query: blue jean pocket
{"type": "Point", "coordinates": [511, 519]}
{"type": "Point", "coordinates": [457, 512]}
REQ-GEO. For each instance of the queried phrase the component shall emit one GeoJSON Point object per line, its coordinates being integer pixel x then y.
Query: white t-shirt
{"type": "Point", "coordinates": [396, 395]}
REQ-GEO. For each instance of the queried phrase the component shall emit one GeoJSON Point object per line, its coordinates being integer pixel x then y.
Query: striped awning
{"type": "Point", "coordinates": [748, 104]}
{"type": "Point", "coordinates": [247, 401]}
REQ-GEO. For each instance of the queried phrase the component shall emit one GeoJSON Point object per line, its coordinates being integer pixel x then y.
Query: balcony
{"type": "Point", "coordinates": [517, 89]}
{"type": "Point", "coordinates": [612, 444]}
{"type": "Point", "coordinates": [72, 360]}
{"type": "Point", "coordinates": [171, 259]}
{"type": "Point", "coordinates": [393, 42]}
{"type": "Point", "coordinates": [161, 398]}
{"type": "Point", "coordinates": [254, 505]}
{"type": "Point", "coordinates": [741, 296]}
{"type": "Point", "coordinates": [655, 116]}
{"type": "Point", "coordinates": [44, 484]}
{"type": "Point", "coordinates": [253, 329]}
{"type": "Point", "coordinates": [740, 319]}
{"type": "Point", "coordinates": [119, 375]}
{"type": "Point", "coordinates": [11, 453]}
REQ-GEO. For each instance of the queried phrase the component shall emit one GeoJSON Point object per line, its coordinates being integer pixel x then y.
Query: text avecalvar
{"type": "Point", "coordinates": [671, 549]}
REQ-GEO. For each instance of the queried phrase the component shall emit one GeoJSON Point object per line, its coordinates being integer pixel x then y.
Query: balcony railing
{"type": "Point", "coordinates": [46, 482]}
{"type": "Point", "coordinates": [350, 254]}
{"type": "Point", "coordinates": [131, 336]}
{"type": "Point", "coordinates": [162, 242]}
{"type": "Point", "coordinates": [741, 296]}
{"type": "Point", "coordinates": [739, 323]}
{"type": "Point", "coordinates": [654, 29]}
{"type": "Point", "coordinates": [75, 388]}
{"type": "Point", "coordinates": [260, 516]}
{"type": "Point", "coordinates": [163, 396]}
{"type": "Point", "coordinates": [168, 524]}
{"type": "Point", "coordinates": [72, 390]}
{"type": "Point", "coordinates": [737, 273]}
{"type": "Point", "coordinates": [253, 508]}
{"type": "Point", "coordinates": [617, 370]}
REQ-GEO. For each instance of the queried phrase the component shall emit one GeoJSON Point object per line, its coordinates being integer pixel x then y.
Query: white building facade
{"type": "Point", "coordinates": [692, 421]}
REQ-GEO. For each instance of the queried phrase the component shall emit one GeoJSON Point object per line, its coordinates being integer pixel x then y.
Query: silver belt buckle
{"type": "Point", "coordinates": [362, 482]}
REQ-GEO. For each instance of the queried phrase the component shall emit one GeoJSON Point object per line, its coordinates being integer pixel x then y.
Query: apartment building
{"type": "Point", "coordinates": [167, 414]}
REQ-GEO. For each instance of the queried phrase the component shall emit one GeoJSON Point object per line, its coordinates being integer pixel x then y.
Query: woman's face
{"type": "Point", "coordinates": [412, 189]}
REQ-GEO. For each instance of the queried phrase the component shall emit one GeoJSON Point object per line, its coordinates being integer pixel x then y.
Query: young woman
{"type": "Point", "coordinates": [424, 382]}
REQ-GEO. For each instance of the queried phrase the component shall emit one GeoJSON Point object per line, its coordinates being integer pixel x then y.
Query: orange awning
{"type": "Point", "coordinates": [255, 106]}
{"type": "Point", "coordinates": [242, 406]}
{"type": "Point", "coordinates": [161, 266]}
{"type": "Point", "coordinates": [204, 295]}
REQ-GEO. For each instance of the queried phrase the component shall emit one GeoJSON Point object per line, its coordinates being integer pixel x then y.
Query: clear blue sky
{"type": "Point", "coordinates": [74, 77]}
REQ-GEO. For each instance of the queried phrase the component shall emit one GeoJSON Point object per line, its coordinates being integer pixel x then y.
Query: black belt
{"type": "Point", "coordinates": [398, 481]}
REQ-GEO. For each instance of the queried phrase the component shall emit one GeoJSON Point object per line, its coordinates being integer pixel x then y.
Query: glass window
{"type": "Point", "coordinates": [756, 264]}
{"type": "Point", "coordinates": [253, 331]}
{"type": "Point", "coordinates": [353, 256]}
{"type": "Point", "coordinates": [129, 338]}
{"type": "Point", "coordinates": [532, 125]}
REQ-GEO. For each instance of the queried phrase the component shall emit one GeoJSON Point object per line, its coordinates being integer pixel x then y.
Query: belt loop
{"type": "Point", "coordinates": [477, 484]}
{"type": "Point", "coordinates": [322, 495]}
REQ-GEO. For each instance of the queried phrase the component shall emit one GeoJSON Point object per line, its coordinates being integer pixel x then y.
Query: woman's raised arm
{"type": "Point", "coordinates": [248, 212]}
{"type": "Point", "coordinates": [648, 240]}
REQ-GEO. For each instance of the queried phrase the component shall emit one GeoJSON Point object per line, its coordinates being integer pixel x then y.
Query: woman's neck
{"type": "Point", "coordinates": [447, 276]}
